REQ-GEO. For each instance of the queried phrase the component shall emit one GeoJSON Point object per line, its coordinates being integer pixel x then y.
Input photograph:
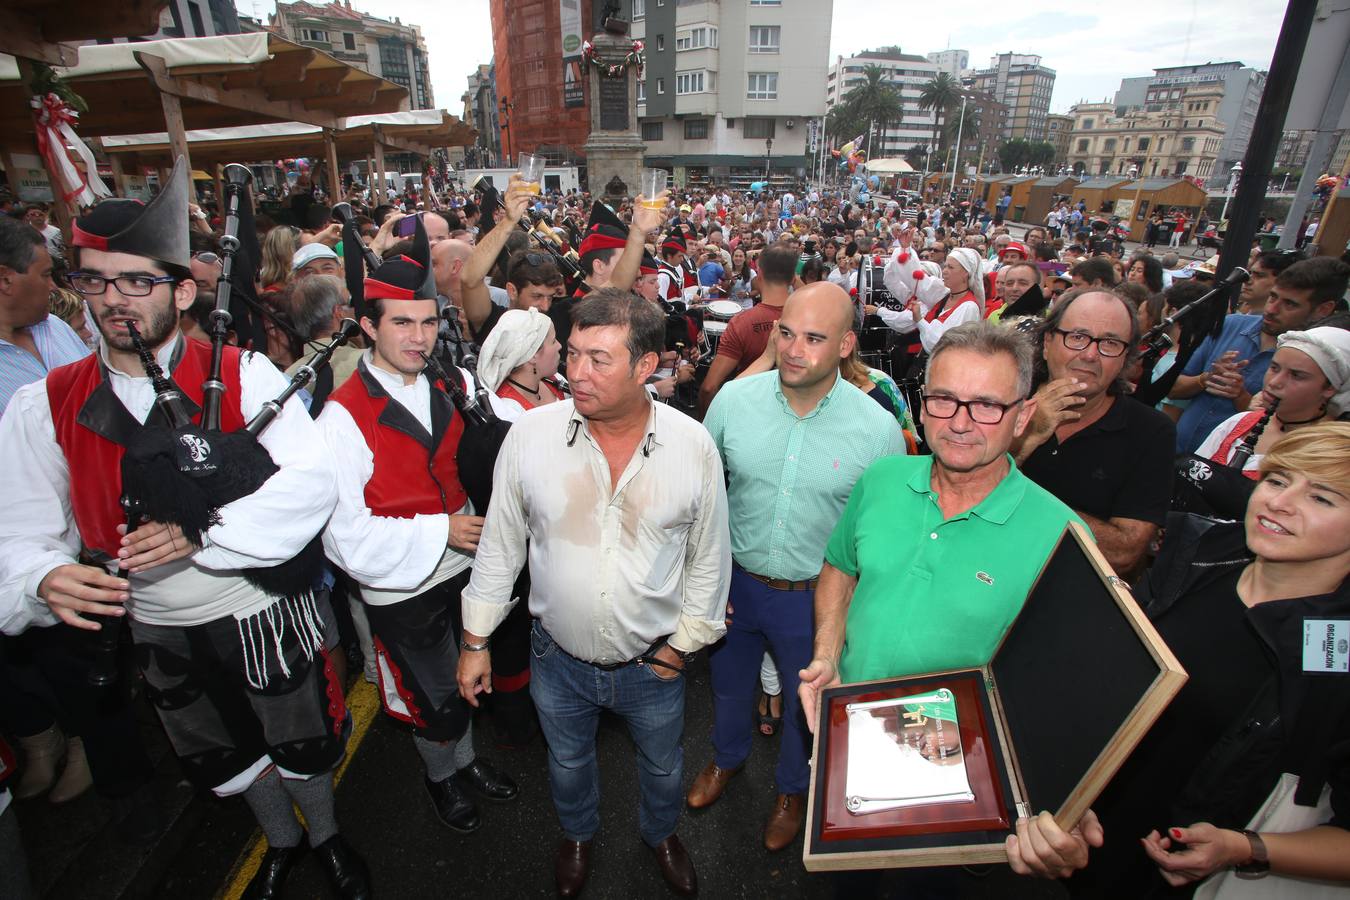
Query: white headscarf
{"type": "Point", "coordinates": [970, 261]}
{"type": "Point", "coordinates": [1330, 349]}
{"type": "Point", "coordinates": [516, 337]}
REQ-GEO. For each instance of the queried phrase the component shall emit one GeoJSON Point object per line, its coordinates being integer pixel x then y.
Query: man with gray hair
{"type": "Point", "coordinates": [317, 305]}
{"type": "Point", "coordinates": [940, 593]}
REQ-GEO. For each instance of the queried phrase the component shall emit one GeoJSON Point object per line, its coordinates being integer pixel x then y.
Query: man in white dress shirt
{"type": "Point", "coordinates": [622, 503]}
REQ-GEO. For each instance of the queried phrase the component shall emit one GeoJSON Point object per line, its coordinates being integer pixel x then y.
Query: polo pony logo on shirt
{"type": "Point", "coordinates": [985, 577]}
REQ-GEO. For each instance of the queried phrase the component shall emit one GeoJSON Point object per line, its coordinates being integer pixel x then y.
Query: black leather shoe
{"type": "Point", "coordinates": [571, 865]}
{"type": "Point", "coordinates": [347, 872]}
{"type": "Point", "coordinates": [270, 879]}
{"type": "Point", "coordinates": [487, 781]}
{"type": "Point", "coordinates": [676, 866]}
{"type": "Point", "coordinates": [454, 809]}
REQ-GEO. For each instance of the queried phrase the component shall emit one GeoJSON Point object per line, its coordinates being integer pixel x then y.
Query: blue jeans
{"type": "Point", "coordinates": [783, 620]}
{"type": "Point", "coordinates": [569, 694]}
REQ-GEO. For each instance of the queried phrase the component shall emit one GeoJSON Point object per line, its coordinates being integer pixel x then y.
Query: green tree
{"type": "Point", "coordinates": [966, 125]}
{"type": "Point", "coordinates": [869, 108]}
{"type": "Point", "coordinates": [940, 95]}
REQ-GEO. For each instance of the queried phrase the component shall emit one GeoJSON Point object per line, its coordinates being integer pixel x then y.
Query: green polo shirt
{"type": "Point", "coordinates": [789, 475]}
{"type": "Point", "coordinates": [936, 593]}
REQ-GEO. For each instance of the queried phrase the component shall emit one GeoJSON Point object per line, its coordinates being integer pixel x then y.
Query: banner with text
{"type": "Point", "coordinates": [569, 17]}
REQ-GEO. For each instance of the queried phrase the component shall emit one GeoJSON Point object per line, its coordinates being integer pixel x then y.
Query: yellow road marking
{"type": "Point", "coordinates": [364, 703]}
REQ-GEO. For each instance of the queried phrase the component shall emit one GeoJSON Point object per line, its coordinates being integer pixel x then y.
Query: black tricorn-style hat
{"type": "Point", "coordinates": [157, 230]}
{"type": "Point", "coordinates": [648, 266]}
{"type": "Point", "coordinates": [604, 231]}
{"type": "Point", "coordinates": [674, 241]}
{"type": "Point", "coordinates": [405, 277]}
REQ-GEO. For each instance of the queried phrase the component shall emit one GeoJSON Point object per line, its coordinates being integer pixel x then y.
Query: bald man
{"type": "Point", "coordinates": [438, 229]}
{"type": "Point", "coordinates": [793, 442]}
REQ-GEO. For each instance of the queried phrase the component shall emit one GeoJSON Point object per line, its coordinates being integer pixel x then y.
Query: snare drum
{"type": "Point", "coordinates": [722, 309]}
{"type": "Point", "coordinates": [712, 333]}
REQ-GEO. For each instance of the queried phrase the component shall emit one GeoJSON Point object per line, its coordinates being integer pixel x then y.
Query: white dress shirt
{"type": "Point", "coordinates": [611, 571]}
{"type": "Point", "coordinates": [269, 526]}
{"type": "Point", "coordinates": [392, 558]}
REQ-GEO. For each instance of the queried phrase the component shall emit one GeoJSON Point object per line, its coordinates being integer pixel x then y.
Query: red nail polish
{"type": "Point", "coordinates": [1176, 833]}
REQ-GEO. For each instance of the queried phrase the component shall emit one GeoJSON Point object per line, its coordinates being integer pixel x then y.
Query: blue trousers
{"type": "Point", "coordinates": [569, 695]}
{"type": "Point", "coordinates": [783, 620]}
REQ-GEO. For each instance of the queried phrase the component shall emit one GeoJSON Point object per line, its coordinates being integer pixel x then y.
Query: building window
{"type": "Point", "coordinates": [758, 129]}
{"type": "Point", "coordinates": [348, 41]}
{"type": "Point", "coordinates": [766, 2]}
{"type": "Point", "coordinates": [695, 129]}
{"type": "Point", "coordinates": [660, 85]}
{"type": "Point", "coordinates": [316, 35]}
{"type": "Point", "coordinates": [1087, 124]}
{"type": "Point", "coordinates": [1109, 146]}
{"type": "Point", "coordinates": [1143, 144]}
{"type": "Point", "coordinates": [642, 92]}
{"type": "Point", "coordinates": [763, 86]}
{"type": "Point", "coordinates": [765, 38]}
{"type": "Point", "coordinates": [1083, 145]}
{"type": "Point", "coordinates": [653, 131]}
{"type": "Point", "coordinates": [689, 82]}
{"type": "Point", "coordinates": [1188, 145]}
{"type": "Point", "coordinates": [705, 36]}
{"type": "Point", "coordinates": [660, 42]}
{"type": "Point", "coordinates": [639, 8]}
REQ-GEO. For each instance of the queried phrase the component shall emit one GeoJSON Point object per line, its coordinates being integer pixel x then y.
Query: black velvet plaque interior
{"type": "Point", "coordinates": [1069, 672]}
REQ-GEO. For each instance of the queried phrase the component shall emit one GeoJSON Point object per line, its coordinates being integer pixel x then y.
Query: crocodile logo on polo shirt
{"type": "Point", "coordinates": [985, 577]}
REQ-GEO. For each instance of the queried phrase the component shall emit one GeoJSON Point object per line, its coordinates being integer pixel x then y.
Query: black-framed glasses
{"type": "Point", "coordinates": [981, 412]}
{"type": "Point", "coordinates": [92, 285]}
{"type": "Point", "coordinates": [1081, 340]}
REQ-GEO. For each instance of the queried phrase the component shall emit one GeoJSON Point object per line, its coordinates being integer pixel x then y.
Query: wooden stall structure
{"type": "Point", "coordinates": [1021, 195]}
{"type": "Point", "coordinates": [1044, 194]}
{"type": "Point", "coordinates": [989, 188]}
{"type": "Point", "coordinates": [1136, 204]}
{"type": "Point", "coordinates": [1100, 194]}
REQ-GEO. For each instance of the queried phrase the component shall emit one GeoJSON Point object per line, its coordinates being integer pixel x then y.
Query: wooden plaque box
{"type": "Point", "coordinates": [1076, 682]}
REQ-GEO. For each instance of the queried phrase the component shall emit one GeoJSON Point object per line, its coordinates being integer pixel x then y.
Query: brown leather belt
{"type": "Point", "coordinates": [779, 584]}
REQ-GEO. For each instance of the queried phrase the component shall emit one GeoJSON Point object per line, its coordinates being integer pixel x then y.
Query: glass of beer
{"type": "Point", "coordinates": [653, 182]}
{"type": "Point", "coordinates": [532, 171]}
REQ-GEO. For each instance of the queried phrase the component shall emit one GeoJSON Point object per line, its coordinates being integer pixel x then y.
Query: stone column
{"type": "Point", "coordinates": [614, 150]}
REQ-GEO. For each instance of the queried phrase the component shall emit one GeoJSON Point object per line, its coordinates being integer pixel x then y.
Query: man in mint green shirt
{"type": "Point", "coordinates": [934, 556]}
{"type": "Point", "coordinates": [793, 441]}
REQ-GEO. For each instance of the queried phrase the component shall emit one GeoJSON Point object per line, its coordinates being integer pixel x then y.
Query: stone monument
{"type": "Point", "coordinates": [614, 151]}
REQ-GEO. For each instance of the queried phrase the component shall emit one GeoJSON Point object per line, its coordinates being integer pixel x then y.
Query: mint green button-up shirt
{"type": "Point", "coordinates": [789, 476]}
{"type": "Point", "coordinates": [936, 593]}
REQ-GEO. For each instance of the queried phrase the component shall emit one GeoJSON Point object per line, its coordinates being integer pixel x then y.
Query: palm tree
{"type": "Point", "coordinates": [940, 94]}
{"type": "Point", "coordinates": [965, 125]}
{"type": "Point", "coordinates": [873, 104]}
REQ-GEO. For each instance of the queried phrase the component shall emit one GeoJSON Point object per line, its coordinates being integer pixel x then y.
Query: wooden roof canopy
{"type": "Point", "coordinates": [220, 82]}
{"type": "Point", "coordinates": [43, 30]}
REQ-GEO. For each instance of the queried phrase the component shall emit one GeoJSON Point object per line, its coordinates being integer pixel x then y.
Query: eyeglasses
{"type": "Point", "coordinates": [981, 412]}
{"type": "Point", "coordinates": [537, 259]}
{"type": "Point", "coordinates": [206, 256]}
{"type": "Point", "coordinates": [1081, 340]}
{"type": "Point", "coordinates": [92, 285]}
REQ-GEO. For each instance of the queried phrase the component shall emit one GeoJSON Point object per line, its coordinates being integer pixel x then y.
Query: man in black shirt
{"type": "Point", "coordinates": [1107, 456]}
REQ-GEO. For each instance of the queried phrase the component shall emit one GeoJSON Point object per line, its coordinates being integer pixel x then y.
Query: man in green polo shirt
{"type": "Point", "coordinates": [793, 441]}
{"type": "Point", "coordinates": [934, 555]}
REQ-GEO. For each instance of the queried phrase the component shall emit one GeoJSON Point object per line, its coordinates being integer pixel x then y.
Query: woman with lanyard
{"type": "Point", "coordinates": [741, 277]}
{"type": "Point", "coordinates": [1310, 377]}
{"type": "Point", "coordinates": [519, 363]}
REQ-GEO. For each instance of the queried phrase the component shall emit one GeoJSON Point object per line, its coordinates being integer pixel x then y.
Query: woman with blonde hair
{"type": "Point", "coordinates": [278, 249]}
{"type": "Point", "coordinates": [1247, 773]}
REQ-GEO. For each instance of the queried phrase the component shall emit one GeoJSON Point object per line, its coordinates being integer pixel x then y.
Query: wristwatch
{"type": "Point", "coordinates": [1259, 864]}
{"type": "Point", "coordinates": [472, 648]}
{"type": "Point", "coordinates": [685, 658]}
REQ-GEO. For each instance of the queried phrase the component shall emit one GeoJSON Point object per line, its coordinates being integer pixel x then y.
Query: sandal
{"type": "Point", "coordinates": [768, 724]}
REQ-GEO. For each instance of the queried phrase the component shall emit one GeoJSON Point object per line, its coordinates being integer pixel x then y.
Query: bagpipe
{"type": "Point", "coordinates": [182, 473]}
{"type": "Point", "coordinates": [1199, 318]}
{"type": "Point", "coordinates": [476, 456]}
{"type": "Point", "coordinates": [567, 261]}
{"type": "Point", "coordinates": [1219, 490]}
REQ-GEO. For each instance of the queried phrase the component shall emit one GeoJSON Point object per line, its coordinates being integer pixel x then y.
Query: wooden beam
{"type": "Point", "coordinates": [125, 18]}
{"type": "Point", "coordinates": [377, 180]}
{"type": "Point", "coordinates": [173, 121]}
{"type": "Point", "coordinates": [20, 35]}
{"type": "Point", "coordinates": [334, 176]}
{"type": "Point", "coordinates": [252, 100]}
{"type": "Point", "coordinates": [323, 83]}
{"type": "Point", "coordinates": [119, 175]}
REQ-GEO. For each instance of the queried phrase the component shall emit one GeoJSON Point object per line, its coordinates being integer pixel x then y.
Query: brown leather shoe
{"type": "Point", "coordinates": [785, 821]}
{"type": "Point", "coordinates": [571, 865]}
{"type": "Point", "coordinates": [676, 866]}
{"type": "Point", "coordinates": [709, 785]}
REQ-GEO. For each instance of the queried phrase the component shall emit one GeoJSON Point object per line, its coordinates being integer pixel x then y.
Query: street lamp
{"type": "Point", "coordinates": [768, 154]}
{"type": "Point", "coordinates": [1235, 173]}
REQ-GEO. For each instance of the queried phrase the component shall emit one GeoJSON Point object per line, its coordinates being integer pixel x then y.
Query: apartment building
{"type": "Point", "coordinates": [1238, 88]}
{"type": "Point", "coordinates": [1181, 136]}
{"type": "Point", "coordinates": [1021, 83]}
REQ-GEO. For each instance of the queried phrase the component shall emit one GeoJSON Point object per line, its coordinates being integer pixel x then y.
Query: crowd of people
{"type": "Point", "coordinates": [825, 442]}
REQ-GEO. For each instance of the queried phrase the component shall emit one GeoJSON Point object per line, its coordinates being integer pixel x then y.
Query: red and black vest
{"type": "Point", "coordinates": [415, 472]}
{"type": "Point", "coordinates": [675, 281]}
{"type": "Point", "coordinates": [93, 427]}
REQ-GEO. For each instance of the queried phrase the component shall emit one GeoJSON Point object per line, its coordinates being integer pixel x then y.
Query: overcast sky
{"type": "Point", "coordinates": [1090, 51]}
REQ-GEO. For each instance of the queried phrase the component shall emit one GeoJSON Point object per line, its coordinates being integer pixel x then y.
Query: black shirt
{"type": "Point", "coordinates": [1119, 466]}
{"type": "Point", "coordinates": [494, 316]}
